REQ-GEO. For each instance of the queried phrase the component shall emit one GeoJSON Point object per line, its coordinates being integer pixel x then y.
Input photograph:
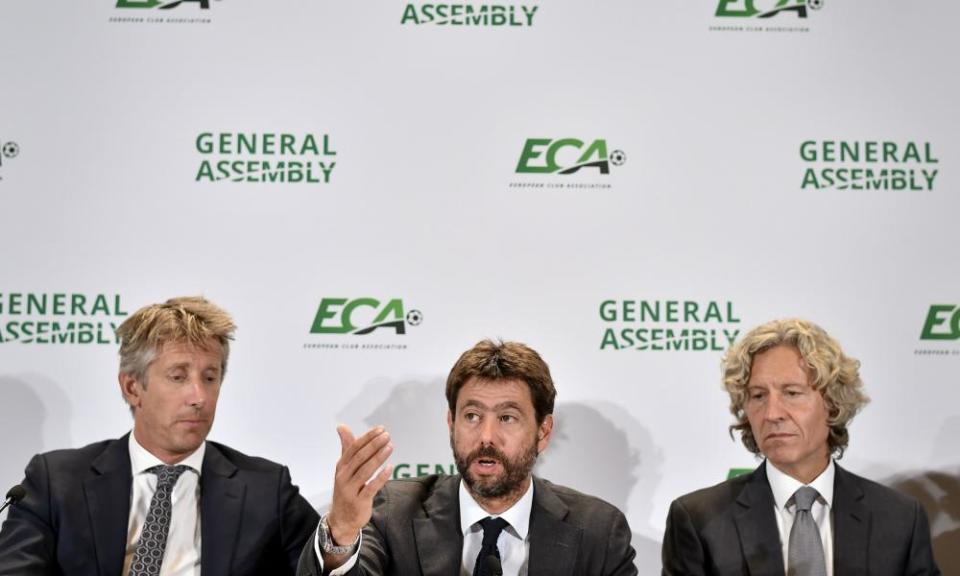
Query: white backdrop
{"type": "Point", "coordinates": [425, 126]}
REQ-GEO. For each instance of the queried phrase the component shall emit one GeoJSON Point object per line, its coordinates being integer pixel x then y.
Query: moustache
{"type": "Point", "coordinates": [489, 452]}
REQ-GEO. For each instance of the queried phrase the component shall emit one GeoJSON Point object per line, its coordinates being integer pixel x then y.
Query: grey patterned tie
{"type": "Point", "coordinates": [806, 548]}
{"type": "Point", "coordinates": [153, 538]}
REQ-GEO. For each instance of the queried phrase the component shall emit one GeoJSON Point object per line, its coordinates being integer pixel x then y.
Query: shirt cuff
{"type": "Point", "coordinates": [347, 566]}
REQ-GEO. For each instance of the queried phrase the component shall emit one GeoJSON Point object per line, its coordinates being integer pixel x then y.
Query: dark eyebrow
{"type": "Point", "coordinates": [496, 407]}
{"type": "Point", "coordinates": [508, 404]}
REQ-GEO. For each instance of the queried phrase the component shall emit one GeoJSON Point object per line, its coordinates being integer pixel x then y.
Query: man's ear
{"type": "Point", "coordinates": [544, 431]}
{"type": "Point", "coordinates": [131, 389]}
{"type": "Point", "coordinates": [450, 421]}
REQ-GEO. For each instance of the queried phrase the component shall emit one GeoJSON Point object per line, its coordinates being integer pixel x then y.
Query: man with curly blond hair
{"type": "Point", "coordinates": [793, 393]}
{"type": "Point", "coordinates": [162, 500]}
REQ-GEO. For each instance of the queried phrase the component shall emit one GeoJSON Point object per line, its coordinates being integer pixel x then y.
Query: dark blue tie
{"type": "Point", "coordinates": [492, 527]}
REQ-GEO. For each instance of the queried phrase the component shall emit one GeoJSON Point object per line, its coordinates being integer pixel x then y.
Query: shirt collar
{"type": "Point", "coordinates": [141, 459]}
{"type": "Point", "coordinates": [784, 485]}
{"type": "Point", "coordinates": [518, 515]}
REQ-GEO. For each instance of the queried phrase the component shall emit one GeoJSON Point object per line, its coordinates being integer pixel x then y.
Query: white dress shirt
{"type": "Point", "coordinates": [513, 543]}
{"type": "Point", "coordinates": [783, 487]}
{"type": "Point", "coordinates": [182, 555]}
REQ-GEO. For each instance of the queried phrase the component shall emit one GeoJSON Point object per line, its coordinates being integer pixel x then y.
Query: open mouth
{"type": "Point", "coordinates": [486, 463]}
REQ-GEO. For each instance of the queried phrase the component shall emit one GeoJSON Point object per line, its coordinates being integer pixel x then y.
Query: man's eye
{"type": "Point", "coordinates": [471, 416]}
{"type": "Point", "coordinates": [508, 418]}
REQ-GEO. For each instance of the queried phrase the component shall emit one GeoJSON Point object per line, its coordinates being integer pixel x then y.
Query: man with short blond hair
{"type": "Point", "coordinates": [793, 393]}
{"type": "Point", "coordinates": [161, 499]}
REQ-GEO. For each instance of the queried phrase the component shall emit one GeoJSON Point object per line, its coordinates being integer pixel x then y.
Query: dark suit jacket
{"type": "Point", "coordinates": [731, 529]}
{"type": "Point", "coordinates": [74, 517]}
{"type": "Point", "coordinates": [415, 530]}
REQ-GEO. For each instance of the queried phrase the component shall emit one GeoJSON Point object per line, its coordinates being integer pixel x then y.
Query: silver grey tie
{"type": "Point", "coordinates": [806, 548]}
{"type": "Point", "coordinates": [153, 538]}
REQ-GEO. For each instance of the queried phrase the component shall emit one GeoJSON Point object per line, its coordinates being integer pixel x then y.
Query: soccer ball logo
{"type": "Point", "coordinates": [815, 4]}
{"type": "Point", "coordinates": [618, 157]}
{"type": "Point", "coordinates": [414, 317]}
{"type": "Point", "coordinates": [11, 149]}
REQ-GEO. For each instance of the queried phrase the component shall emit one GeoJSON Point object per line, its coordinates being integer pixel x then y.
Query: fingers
{"type": "Point", "coordinates": [346, 438]}
{"type": "Point", "coordinates": [362, 457]}
{"type": "Point", "coordinates": [365, 472]}
{"type": "Point", "coordinates": [357, 480]}
{"type": "Point", "coordinates": [350, 446]}
{"type": "Point", "coordinates": [374, 486]}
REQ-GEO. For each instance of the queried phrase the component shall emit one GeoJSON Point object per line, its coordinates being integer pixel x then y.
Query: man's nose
{"type": "Point", "coordinates": [488, 430]}
{"type": "Point", "coordinates": [196, 392]}
{"type": "Point", "coordinates": [774, 410]}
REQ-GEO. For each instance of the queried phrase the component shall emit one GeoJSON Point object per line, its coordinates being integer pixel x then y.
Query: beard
{"type": "Point", "coordinates": [515, 471]}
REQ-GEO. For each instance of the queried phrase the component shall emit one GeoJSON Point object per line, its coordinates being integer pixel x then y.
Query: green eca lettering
{"type": "Point", "coordinates": [390, 316]}
{"type": "Point", "coordinates": [939, 315]}
{"type": "Point", "coordinates": [533, 149]}
{"type": "Point", "coordinates": [204, 4]}
{"type": "Point", "coordinates": [748, 9]}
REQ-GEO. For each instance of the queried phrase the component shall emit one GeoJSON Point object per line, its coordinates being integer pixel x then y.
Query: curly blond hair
{"type": "Point", "coordinates": [835, 376]}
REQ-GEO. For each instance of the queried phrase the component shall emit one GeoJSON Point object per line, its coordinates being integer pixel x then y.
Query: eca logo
{"type": "Point", "coordinates": [362, 316]}
{"type": "Point", "coordinates": [767, 8]}
{"type": "Point", "coordinates": [566, 156]}
{"type": "Point", "coordinates": [204, 4]}
{"type": "Point", "coordinates": [943, 323]}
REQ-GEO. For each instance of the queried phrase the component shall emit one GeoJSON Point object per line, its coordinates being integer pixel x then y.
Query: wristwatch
{"type": "Point", "coordinates": [328, 546]}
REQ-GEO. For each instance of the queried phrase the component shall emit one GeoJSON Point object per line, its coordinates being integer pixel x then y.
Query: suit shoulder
{"type": "Point", "coordinates": [245, 461]}
{"type": "Point", "coordinates": [712, 499]}
{"type": "Point", "coordinates": [407, 497]}
{"type": "Point", "coordinates": [417, 489]}
{"type": "Point", "coordinates": [580, 501]}
{"type": "Point", "coordinates": [75, 459]}
{"type": "Point", "coordinates": [881, 496]}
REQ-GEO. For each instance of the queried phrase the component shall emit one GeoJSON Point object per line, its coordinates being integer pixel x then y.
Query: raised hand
{"type": "Point", "coordinates": [355, 484]}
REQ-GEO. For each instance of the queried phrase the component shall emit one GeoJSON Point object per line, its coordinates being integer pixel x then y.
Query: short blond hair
{"type": "Point", "coordinates": [192, 320]}
{"type": "Point", "coordinates": [835, 376]}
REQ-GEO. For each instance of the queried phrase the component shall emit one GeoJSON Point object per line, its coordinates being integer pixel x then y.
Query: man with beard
{"type": "Point", "coordinates": [494, 517]}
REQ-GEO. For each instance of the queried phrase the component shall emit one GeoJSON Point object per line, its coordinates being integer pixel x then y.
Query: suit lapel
{"type": "Point", "coordinates": [851, 525]}
{"type": "Point", "coordinates": [553, 543]}
{"type": "Point", "coordinates": [108, 505]}
{"type": "Point", "coordinates": [221, 509]}
{"type": "Point", "coordinates": [433, 533]}
{"type": "Point", "coordinates": [756, 524]}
